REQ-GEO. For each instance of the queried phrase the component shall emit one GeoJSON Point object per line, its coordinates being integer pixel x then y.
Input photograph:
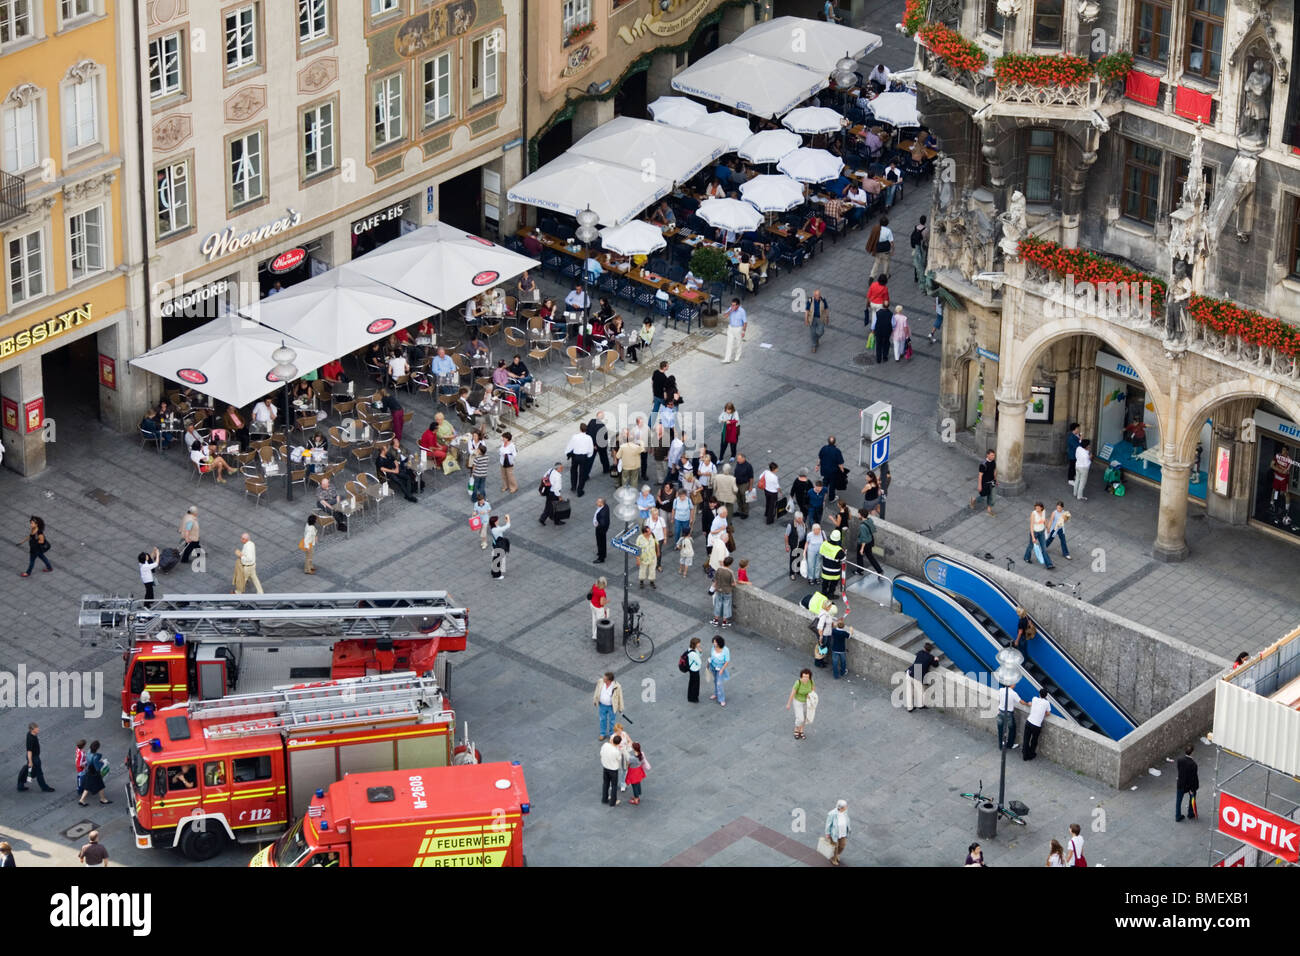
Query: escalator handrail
{"type": "Point", "coordinates": [1042, 633]}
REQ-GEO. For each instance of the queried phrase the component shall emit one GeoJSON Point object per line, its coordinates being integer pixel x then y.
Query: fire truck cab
{"type": "Point", "coordinates": [437, 816]}
{"type": "Point", "coordinates": [241, 768]}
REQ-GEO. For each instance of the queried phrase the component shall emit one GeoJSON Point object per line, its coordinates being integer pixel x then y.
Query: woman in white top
{"type": "Point", "coordinates": [309, 545]}
{"type": "Point", "coordinates": [499, 527]}
{"type": "Point", "coordinates": [706, 470]}
{"type": "Point", "coordinates": [1055, 855]}
{"type": "Point", "coordinates": [1082, 462]}
{"type": "Point", "coordinates": [901, 332]}
{"type": "Point", "coordinates": [1074, 850]}
{"type": "Point", "coordinates": [730, 422]}
{"type": "Point", "coordinates": [148, 564]}
{"type": "Point", "coordinates": [508, 453]}
{"type": "Point", "coordinates": [658, 528]}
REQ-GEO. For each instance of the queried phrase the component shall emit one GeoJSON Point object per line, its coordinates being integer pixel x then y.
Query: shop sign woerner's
{"type": "Point", "coordinates": [227, 241]}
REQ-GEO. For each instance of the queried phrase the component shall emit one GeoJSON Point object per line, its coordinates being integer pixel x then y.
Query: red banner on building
{"type": "Point", "coordinates": [1193, 104]}
{"type": "Point", "coordinates": [107, 372]}
{"type": "Point", "coordinates": [10, 414]}
{"type": "Point", "coordinates": [34, 412]}
{"type": "Point", "coordinates": [1259, 828]}
{"type": "Point", "coordinates": [1142, 87]}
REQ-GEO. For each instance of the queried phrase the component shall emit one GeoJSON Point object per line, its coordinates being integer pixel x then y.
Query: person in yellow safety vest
{"type": "Point", "coordinates": [832, 564]}
{"type": "Point", "coordinates": [816, 602]}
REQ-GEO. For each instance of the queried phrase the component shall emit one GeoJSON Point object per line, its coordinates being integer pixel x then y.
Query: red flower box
{"type": "Point", "coordinates": [949, 45]}
{"type": "Point", "coordinates": [1051, 70]}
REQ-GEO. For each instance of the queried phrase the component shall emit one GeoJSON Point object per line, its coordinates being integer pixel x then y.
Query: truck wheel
{"type": "Point", "coordinates": [202, 844]}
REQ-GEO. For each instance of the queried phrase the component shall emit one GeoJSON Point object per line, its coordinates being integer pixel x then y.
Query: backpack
{"type": "Point", "coordinates": [683, 664]}
{"type": "Point", "coordinates": [917, 237]}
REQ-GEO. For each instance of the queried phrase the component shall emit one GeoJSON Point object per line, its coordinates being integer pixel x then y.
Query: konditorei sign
{"type": "Point", "coordinates": [227, 241]}
{"type": "Point", "coordinates": [54, 326]}
{"type": "Point", "coordinates": [196, 302]}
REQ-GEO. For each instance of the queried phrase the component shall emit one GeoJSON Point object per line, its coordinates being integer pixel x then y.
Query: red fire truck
{"type": "Point", "coordinates": [436, 816]}
{"type": "Point", "coordinates": [207, 646]}
{"type": "Point", "coordinates": [243, 767]}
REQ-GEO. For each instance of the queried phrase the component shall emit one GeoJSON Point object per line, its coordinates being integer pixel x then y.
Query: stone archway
{"type": "Point", "coordinates": [1228, 391]}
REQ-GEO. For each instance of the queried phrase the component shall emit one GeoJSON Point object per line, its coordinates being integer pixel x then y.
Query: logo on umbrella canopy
{"type": "Point", "coordinates": [380, 326]}
{"type": "Point", "coordinates": [192, 376]}
{"type": "Point", "coordinates": [486, 277]}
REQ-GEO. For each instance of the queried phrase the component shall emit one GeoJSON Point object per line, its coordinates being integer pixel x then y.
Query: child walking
{"type": "Point", "coordinates": [687, 551]}
{"type": "Point", "coordinates": [482, 511]}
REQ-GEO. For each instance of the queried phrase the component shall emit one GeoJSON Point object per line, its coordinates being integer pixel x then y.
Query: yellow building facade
{"type": "Point", "coordinates": [64, 317]}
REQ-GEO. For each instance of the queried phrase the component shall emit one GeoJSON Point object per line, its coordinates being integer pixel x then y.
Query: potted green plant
{"type": "Point", "coordinates": [710, 265]}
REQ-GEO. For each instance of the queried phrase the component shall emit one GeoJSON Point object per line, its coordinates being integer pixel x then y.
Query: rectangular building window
{"type": "Point", "coordinates": [993, 21]}
{"type": "Point", "coordinates": [485, 54]}
{"type": "Point", "coordinates": [1141, 182]}
{"type": "Point", "coordinates": [577, 13]}
{"type": "Point", "coordinates": [1204, 37]}
{"type": "Point", "coordinates": [80, 114]}
{"type": "Point", "coordinates": [26, 268]}
{"type": "Point", "coordinates": [388, 109]}
{"type": "Point", "coordinates": [172, 198]}
{"type": "Point", "coordinates": [16, 20]}
{"type": "Point", "coordinates": [1179, 177]}
{"type": "Point", "coordinates": [241, 37]}
{"type": "Point", "coordinates": [20, 137]}
{"type": "Point", "coordinates": [86, 243]}
{"type": "Point", "coordinates": [164, 65]}
{"type": "Point", "coordinates": [1151, 23]}
{"type": "Point", "coordinates": [382, 6]}
{"type": "Point", "coordinates": [1049, 18]}
{"type": "Point", "coordinates": [72, 9]}
{"type": "Point", "coordinates": [437, 88]}
{"type": "Point", "coordinates": [245, 169]}
{"type": "Point", "coordinates": [313, 20]}
{"type": "Point", "coordinates": [1039, 165]}
{"type": "Point", "coordinates": [1293, 263]}
{"type": "Point", "coordinates": [318, 139]}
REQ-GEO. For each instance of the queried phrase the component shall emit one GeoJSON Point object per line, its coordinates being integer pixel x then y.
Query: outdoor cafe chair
{"type": "Point", "coordinates": [576, 376]}
{"type": "Point", "coordinates": [515, 337]}
{"type": "Point", "coordinates": [604, 363]}
{"type": "Point", "coordinates": [539, 351]}
{"type": "Point", "coordinates": [255, 487]}
{"type": "Point", "coordinates": [359, 501]}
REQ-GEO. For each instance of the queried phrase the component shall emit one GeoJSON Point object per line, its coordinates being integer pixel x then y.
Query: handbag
{"type": "Point", "coordinates": [825, 847]}
{"type": "Point", "coordinates": [810, 706]}
{"type": "Point", "coordinates": [302, 544]}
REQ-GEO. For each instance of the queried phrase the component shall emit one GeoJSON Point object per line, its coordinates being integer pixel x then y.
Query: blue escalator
{"type": "Point", "coordinates": [1055, 669]}
{"type": "Point", "coordinates": [962, 638]}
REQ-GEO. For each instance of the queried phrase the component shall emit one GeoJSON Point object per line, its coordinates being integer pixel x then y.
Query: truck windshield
{"type": "Point", "coordinates": [291, 848]}
{"type": "Point", "coordinates": [139, 772]}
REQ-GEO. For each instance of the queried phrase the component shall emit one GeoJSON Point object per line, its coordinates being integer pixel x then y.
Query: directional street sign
{"type": "Point", "coordinates": [879, 451]}
{"type": "Point", "coordinates": [622, 542]}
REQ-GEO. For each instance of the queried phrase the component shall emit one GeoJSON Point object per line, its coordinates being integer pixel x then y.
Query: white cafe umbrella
{"type": "Point", "coordinates": [732, 215]}
{"type": "Point", "coordinates": [896, 109]}
{"type": "Point", "coordinates": [667, 151]}
{"type": "Point", "coordinates": [749, 82]}
{"type": "Point", "coordinates": [440, 264]}
{"type": "Point", "coordinates": [772, 193]}
{"type": "Point", "coordinates": [812, 120]}
{"type": "Point", "coordinates": [729, 127]}
{"type": "Point", "coordinates": [229, 358]}
{"type": "Point", "coordinates": [769, 146]}
{"type": "Point", "coordinates": [338, 311]}
{"type": "Point", "coordinates": [571, 183]}
{"type": "Point", "coordinates": [635, 238]}
{"type": "Point", "coordinates": [815, 44]}
{"type": "Point", "coordinates": [676, 110]}
{"type": "Point", "coordinates": [811, 165]}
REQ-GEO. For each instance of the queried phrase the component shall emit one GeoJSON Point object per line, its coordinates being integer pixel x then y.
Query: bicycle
{"type": "Point", "coordinates": [1015, 812]}
{"type": "Point", "coordinates": [636, 644]}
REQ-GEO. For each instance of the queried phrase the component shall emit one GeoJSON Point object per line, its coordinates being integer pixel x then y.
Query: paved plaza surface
{"type": "Point", "coordinates": [728, 786]}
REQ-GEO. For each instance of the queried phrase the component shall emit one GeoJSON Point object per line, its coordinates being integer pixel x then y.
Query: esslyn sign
{"type": "Point", "coordinates": [227, 241]}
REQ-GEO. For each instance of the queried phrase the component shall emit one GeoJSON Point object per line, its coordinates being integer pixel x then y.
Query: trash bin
{"type": "Point", "coordinates": [605, 637]}
{"type": "Point", "coordinates": [986, 821]}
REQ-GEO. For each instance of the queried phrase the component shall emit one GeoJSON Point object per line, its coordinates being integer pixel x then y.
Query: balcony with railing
{"type": "Point", "coordinates": [13, 196]}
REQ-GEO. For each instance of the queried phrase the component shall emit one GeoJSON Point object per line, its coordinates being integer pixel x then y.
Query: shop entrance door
{"type": "Point", "coordinates": [460, 201]}
{"type": "Point", "coordinates": [631, 98]}
{"type": "Point", "coordinates": [70, 379]}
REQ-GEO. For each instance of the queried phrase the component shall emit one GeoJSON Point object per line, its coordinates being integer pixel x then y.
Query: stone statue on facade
{"type": "Point", "coordinates": [1254, 114]}
{"type": "Point", "coordinates": [1176, 302]}
{"type": "Point", "coordinates": [1014, 225]}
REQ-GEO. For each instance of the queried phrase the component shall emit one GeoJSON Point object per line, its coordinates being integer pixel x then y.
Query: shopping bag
{"type": "Point", "coordinates": [1038, 554]}
{"type": "Point", "coordinates": [751, 495]}
{"type": "Point", "coordinates": [871, 341]}
{"type": "Point", "coordinates": [825, 847]}
{"type": "Point", "coordinates": [810, 707]}
{"type": "Point", "coordinates": [475, 523]}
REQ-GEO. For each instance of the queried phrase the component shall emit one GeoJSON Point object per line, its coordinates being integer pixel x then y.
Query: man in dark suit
{"type": "Point", "coordinates": [830, 462]}
{"type": "Point", "coordinates": [600, 521]}
{"type": "Point", "coordinates": [599, 435]}
{"type": "Point", "coordinates": [744, 475]}
{"type": "Point", "coordinates": [1188, 784]}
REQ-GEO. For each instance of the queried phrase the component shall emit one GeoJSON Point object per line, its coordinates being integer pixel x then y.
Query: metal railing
{"type": "Point", "coordinates": [13, 196]}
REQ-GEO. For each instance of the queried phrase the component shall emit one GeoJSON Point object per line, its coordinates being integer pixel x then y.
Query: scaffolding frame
{"type": "Point", "coordinates": [1218, 856]}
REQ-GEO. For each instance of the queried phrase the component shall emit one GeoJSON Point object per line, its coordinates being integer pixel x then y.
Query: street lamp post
{"type": "Point", "coordinates": [1008, 674]}
{"type": "Point", "coordinates": [845, 76]}
{"type": "Point", "coordinates": [285, 371]}
{"type": "Point", "coordinates": [586, 234]}
{"type": "Point", "coordinates": [625, 509]}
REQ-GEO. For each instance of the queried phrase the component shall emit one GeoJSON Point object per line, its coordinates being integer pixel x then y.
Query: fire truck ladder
{"type": "Point", "coordinates": [272, 618]}
{"type": "Point", "coordinates": [323, 706]}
